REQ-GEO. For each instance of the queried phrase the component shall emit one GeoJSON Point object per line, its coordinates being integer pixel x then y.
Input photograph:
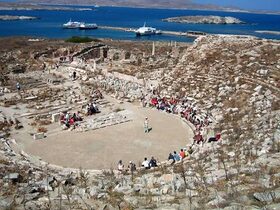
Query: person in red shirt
{"type": "Point", "coordinates": [218, 136]}
{"type": "Point", "coordinates": [182, 154]}
{"type": "Point", "coordinates": [198, 137]}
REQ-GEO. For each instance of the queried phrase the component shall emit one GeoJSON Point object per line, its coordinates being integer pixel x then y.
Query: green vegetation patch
{"type": "Point", "coordinates": [78, 39]}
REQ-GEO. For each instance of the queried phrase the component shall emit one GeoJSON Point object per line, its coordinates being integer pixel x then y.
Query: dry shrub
{"type": "Point", "coordinates": [34, 123]}
{"type": "Point", "coordinates": [4, 162]}
{"type": "Point", "coordinates": [42, 130]}
{"type": "Point", "coordinates": [4, 125]}
{"type": "Point", "coordinates": [9, 103]}
{"type": "Point", "coordinates": [275, 105]}
{"type": "Point", "coordinates": [44, 122]}
{"type": "Point", "coordinates": [118, 109]}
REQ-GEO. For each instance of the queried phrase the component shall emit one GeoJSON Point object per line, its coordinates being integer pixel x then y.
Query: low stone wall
{"type": "Point", "coordinates": [103, 121]}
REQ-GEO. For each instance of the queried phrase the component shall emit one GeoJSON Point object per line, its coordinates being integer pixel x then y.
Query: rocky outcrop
{"type": "Point", "coordinates": [204, 20]}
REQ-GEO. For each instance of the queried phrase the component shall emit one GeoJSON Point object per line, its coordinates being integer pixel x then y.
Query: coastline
{"type": "Point", "coordinates": [113, 22]}
{"type": "Point", "coordinates": [135, 6]}
{"type": "Point", "coordinates": [16, 17]}
{"type": "Point", "coordinates": [268, 32]}
{"type": "Point", "coordinates": [33, 7]}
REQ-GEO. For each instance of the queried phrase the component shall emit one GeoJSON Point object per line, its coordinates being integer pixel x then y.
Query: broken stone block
{"type": "Point", "coordinates": [258, 88]}
{"type": "Point", "coordinates": [38, 136]}
{"type": "Point", "coordinates": [64, 127]}
{"type": "Point", "coordinates": [15, 177]}
{"type": "Point", "coordinates": [263, 72]}
{"type": "Point", "coordinates": [267, 196]}
{"type": "Point", "coordinates": [31, 97]}
{"type": "Point", "coordinates": [55, 117]}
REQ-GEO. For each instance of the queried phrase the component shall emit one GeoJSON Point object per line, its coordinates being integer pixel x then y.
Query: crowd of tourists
{"type": "Point", "coordinates": [69, 119]}
{"type": "Point", "coordinates": [188, 111]}
{"type": "Point", "coordinates": [153, 163]}
{"type": "Point", "coordinates": [92, 108]}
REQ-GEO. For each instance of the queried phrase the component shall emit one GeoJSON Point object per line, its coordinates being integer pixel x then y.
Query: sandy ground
{"type": "Point", "coordinates": [103, 148]}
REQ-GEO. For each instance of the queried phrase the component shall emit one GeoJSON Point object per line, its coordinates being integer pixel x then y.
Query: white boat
{"type": "Point", "coordinates": [87, 26]}
{"type": "Point", "coordinates": [144, 30]}
{"type": "Point", "coordinates": [70, 24]}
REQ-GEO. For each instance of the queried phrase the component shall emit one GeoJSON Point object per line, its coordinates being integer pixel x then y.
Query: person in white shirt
{"type": "Point", "coordinates": [120, 166]}
{"type": "Point", "coordinates": [146, 163]}
{"type": "Point", "coordinates": [146, 125]}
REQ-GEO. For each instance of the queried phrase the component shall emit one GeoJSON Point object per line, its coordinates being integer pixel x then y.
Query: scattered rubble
{"type": "Point", "coordinates": [233, 79]}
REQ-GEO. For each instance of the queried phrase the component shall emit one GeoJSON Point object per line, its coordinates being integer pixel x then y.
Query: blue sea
{"type": "Point", "coordinates": [50, 22]}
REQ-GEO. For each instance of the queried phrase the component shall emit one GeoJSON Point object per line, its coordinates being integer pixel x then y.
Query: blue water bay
{"type": "Point", "coordinates": [50, 23]}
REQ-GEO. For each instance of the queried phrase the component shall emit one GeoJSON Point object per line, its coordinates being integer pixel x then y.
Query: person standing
{"type": "Point", "coordinates": [74, 75]}
{"type": "Point", "coordinates": [131, 167]}
{"type": "Point", "coordinates": [18, 86]}
{"type": "Point", "coordinates": [146, 125]}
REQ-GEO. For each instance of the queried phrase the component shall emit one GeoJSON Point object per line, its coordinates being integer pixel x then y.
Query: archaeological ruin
{"type": "Point", "coordinates": [70, 112]}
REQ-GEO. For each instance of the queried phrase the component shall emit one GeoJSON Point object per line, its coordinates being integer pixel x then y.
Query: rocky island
{"type": "Point", "coordinates": [16, 17]}
{"type": "Point", "coordinates": [199, 19]}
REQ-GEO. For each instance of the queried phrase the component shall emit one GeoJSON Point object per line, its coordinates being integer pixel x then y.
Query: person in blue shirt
{"type": "Point", "coordinates": [176, 156]}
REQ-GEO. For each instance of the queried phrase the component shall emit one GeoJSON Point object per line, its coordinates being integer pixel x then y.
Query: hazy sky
{"type": "Point", "coordinates": [246, 4]}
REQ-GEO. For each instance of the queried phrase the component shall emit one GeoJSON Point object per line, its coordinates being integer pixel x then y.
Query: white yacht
{"type": "Point", "coordinates": [144, 30]}
{"type": "Point", "coordinates": [70, 24]}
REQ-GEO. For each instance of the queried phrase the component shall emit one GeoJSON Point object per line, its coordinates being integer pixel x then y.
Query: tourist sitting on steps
{"type": "Point", "coordinates": [176, 156]}
{"type": "Point", "coordinates": [92, 108]}
{"type": "Point", "coordinates": [171, 158]}
{"type": "Point", "coordinates": [77, 117]}
{"type": "Point", "coordinates": [198, 137]}
{"type": "Point", "coordinates": [182, 154]}
{"type": "Point", "coordinates": [154, 102]}
{"type": "Point", "coordinates": [216, 138]}
{"type": "Point", "coordinates": [120, 166]}
{"type": "Point", "coordinates": [97, 94]}
{"type": "Point", "coordinates": [186, 152]}
{"type": "Point", "coordinates": [153, 163]}
{"type": "Point", "coordinates": [146, 164]}
{"type": "Point", "coordinates": [69, 120]}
